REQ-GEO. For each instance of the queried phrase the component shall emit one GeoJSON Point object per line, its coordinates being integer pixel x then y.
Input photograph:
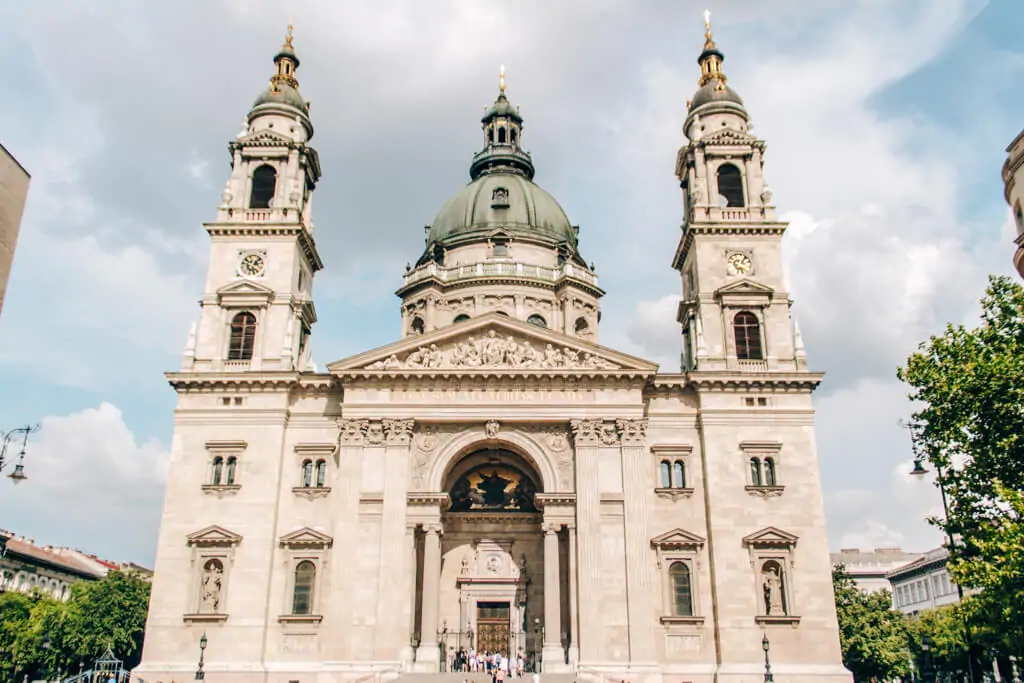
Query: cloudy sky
{"type": "Point", "coordinates": [886, 123]}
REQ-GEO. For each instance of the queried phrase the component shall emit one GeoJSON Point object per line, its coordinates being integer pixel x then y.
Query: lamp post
{"type": "Point", "coordinates": [200, 674]}
{"type": "Point", "coordinates": [18, 475]}
{"type": "Point", "coordinates": [765, 645]}
{"type": "Point", "coordinates": [920, 470]}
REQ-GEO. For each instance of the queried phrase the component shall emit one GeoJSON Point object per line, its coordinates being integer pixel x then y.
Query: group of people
{"type": "Point", "coordinates": [496, 664]}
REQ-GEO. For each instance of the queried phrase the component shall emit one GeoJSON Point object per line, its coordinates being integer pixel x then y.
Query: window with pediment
{"type": "Point", "coordinates": [307, 552]}
{"type": "Point", "coordinates": [771, 560]}
{"type": "Point", "coordinates": [679, 553]}
{"type": "Point", "coordinates": [213, 551]}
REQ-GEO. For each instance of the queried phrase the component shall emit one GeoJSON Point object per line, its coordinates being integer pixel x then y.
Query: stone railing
{"type": "Point", "coordinates": [754, 366]}
{"type": "Point", "coordinates": [500, 269]}
{"type": "Point", "coordinates": [236, 365]}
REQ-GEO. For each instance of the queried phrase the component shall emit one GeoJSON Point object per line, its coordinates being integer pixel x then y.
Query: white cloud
{"type": "Point", "coordinates": [91, 485]}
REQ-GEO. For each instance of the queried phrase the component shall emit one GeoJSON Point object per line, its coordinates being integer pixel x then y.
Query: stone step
{"type": "Point", "coordinates": [456, 677]}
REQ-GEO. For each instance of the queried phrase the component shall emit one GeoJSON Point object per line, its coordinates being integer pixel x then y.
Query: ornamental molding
{"type": "Point", "coordinates": [306, 537]}
{"type": "Point", "coordinates": [353, 432]}
{"type": "Point", "coordinates": [766, 491]}
{"type": "Point", "coordinates": [678, 539]}
{"type": "Point", "coordinates": [554, 500]}
{"type": "Point", "coordinates": [595, 432]}
{"type": "Point", "coordinates": [398, 432]}
{"type": "Point", "coordinates": [760, 446]}
{"type": "Point", "coordinates": [770, 537]}
{"type": "Point", "coordinates": [735, 382]}
{"type": "Point", "coordinates": [291, 228]}
{"type": "Point", "coordinates": [311, 492]}
{"type": "Point", "coordinates": [491, 343]}
{"type": "Point", "coordinates": [265, 138]}
{"type": "Point", "coordinates": [221, 490]}
{"type": "Point", "coordinates": [316, 450]}
{"type": "Point", "coordinates": [213, 536]}
{"type": "Point", "coordinates": [674, 494]}
{"type": "Point", "coordinates": [243, 381]}
{"type": "Point", "coordinates": [632, 432]}
{"type": "Point", "coordinates": [669, 449]}
{"type": "Point", "coordinates": [226, 447]}
{"type": "Point", "coordinates": [429, 499]}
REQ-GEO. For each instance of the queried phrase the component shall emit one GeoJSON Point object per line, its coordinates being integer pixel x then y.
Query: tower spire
{"type": "Point", "coordinates": [502, 150]}
{"type": "Point", "coordinates": [287, 63]}
{"type": "Point", "coordinates": [711, 59]}
{"type": "Point", "coordinates": [501, 79]}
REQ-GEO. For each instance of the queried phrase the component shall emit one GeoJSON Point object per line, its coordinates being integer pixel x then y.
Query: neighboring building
{"type": "Point", "coordinates": [870, 569]}
{"type": "Point", "coordinates": [495, 478]}
{"type": "Point", "coordinates": [923, 584]}
{"type": "Point", "coordinates": [25, 567]}
{"type": "Point", "coordinates": [13, 190]}
{"type": "Point", "coordinates": [1013, 182]}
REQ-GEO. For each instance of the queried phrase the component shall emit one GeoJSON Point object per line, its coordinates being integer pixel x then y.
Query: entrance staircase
{"type": "Point", "coordinates": [456, 677]}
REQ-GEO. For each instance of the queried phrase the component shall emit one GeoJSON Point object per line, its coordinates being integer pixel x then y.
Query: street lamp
{"type": "Point", "coordinates": [200, 674]}
{"type": "Point", "coordinates": [18, 475]}
{"type": "Point", "coordinates": [920, 470]}
{"type": "Point", "coordinates": [765, 645]}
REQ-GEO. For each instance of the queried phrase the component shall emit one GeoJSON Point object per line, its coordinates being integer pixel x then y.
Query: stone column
{"type": "Point", "coordinates": [408, 655]}
{"type": "Point", "coordinates": [430, 323]}
{"type": "Point", "coordinates": [552, 599]}
{"type": "Point", "coordinates": [346, 524]}
{"type": "Point", "coordinates": [394, 570]}
{"type": "Point", "coordinates": [588, 520]}
{"type": "Point", "coordinates": [428, 652]}
{"type": "Point", "coordinates": [574, 623]}
{"type": "Point", "coordinates": [633, 434]}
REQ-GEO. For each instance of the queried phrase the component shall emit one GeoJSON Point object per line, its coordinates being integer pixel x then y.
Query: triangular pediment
{"type": "Point", "coordinates": [308, 538]}
{"type": "Point", "coordinates": [492, 343]}
{"type": "Point", "coordinates": [214, 536]}
{"type": "Point", "coordinates": [677, 538]}
{"type": "Point", "coordinates": [745, 289]}
{"type": "Point", "coordinates": [265, 138]}
{"type": "Point", "coordinates": [729, 136]}
{"type": "Point", "coordinates": [771, 537]}
{"type": "Point", "coordinates": [242, 291]}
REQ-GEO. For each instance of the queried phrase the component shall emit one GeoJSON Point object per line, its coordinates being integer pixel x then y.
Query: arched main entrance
{"type": "Point", "coordinates": [492, 587]}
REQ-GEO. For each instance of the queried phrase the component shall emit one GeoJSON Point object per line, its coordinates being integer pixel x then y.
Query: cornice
{"type": "Point", "coordinates": [232, 228]}
{"type": "Point", "coordinates": [690, 230]}
{"type": "Point", "coordinates": [511, 280]}
{"type": "Point", "coordinates": [730, 381]}
{"type": "Point", "coordinates": [251, 381]}
{"type": "Point", "coordinates": [427, 378]}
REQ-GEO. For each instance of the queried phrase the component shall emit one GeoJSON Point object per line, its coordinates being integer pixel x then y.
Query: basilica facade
{"type": "Point", "coordinates": [495, 479]}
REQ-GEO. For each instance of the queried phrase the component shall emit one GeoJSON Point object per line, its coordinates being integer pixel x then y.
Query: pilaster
{"type": "Point", "coordinates": [633, 435]}
{"type": "Point", "coordinates": [352, 437]}
{"type": "Point", "coordinates": [588, 519]}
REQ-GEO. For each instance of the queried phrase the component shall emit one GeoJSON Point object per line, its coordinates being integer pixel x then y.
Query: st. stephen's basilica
{"type": "Point", "coordinates": [495, 480]}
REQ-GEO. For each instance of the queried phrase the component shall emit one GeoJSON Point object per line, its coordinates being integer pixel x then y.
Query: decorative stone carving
{"type": "Point", "coordinates": [491, 351]}
{"type": "Point", "coordinates": [609, 434]}
{"type": "Point", "coordinates": [212, 585]}
{"type": "Point", "coordinates": [494, 564]}
{"type": "Point", "coordinates": [428, 439]}
{"type": "Point", "coordinates": [558, 441]}
{"type": "Point", "coordinates": [771, 586]}
{"type": "Point", "coordinates": [632, 432]}
{"type": "Point", "coordinates": [398, 432]}
{"type": "Point", "coordinates": [374, 433]}
{"type": "Point", "coordinates": [352, 431]}
{"type": "Point", "coordinates": [492, 428]}
{"type": "Point", "coordinates": [585, 432]}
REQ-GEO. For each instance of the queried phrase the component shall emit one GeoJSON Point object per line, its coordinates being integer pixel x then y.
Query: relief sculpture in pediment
{"type": "Point", "coordinates": [493, 351]}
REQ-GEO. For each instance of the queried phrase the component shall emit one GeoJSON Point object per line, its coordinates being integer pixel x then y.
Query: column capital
{"type": "Point", "coordinates": [433, 528]}
{"type": "Point", "coordinates": [594, 433]}
{"type": "Point", "coordinates": [398, 432]}
{"type": "Point", "coordinates": [552, 527]}
{"type": "Point", "coordinates": [352, 431]}
{"type": "Point", "coordinates": [632, 432]}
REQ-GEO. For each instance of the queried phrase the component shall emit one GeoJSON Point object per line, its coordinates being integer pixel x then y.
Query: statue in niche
{"type": "Point", "coordinates": [465, 565]}
{"type": "Point", "coordinates": [771, 584]}
{"type": "Point", "coordinates": [212, 585]}
{"type": "Point", "coordinates": [492, 487]}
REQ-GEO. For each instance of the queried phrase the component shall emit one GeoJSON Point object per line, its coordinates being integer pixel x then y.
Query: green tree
{"type": "Point", "coordinates": [872, 635]}
{"type": "Point", "coordinates": [15, 610]}
{"type": "Point", "coordinates": [969, 384]}
{"type": "Point", "coordinates": [937, 639]}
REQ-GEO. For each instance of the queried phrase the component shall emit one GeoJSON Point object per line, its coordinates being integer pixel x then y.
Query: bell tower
{"type": "Point", "coordinates": [257, 307]}
{"type": "Point", "coordinates": [735, 310]}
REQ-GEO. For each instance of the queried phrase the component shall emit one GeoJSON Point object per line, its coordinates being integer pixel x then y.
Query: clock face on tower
{"type": "Point", "coordinates": [252, 265]}
{"type": "Point", "coordinates": [738, 264]}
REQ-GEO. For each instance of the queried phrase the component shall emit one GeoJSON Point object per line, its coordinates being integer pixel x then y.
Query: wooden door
{"type": "Point", "coordinates": [492, 627]}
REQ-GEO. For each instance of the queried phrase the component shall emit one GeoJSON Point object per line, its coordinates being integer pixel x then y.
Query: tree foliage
{"type": "Point", "coordinates": [937, 639]}
{"type": "Point", "coordinates": [970, 428]}
{"type": "Point", "coordinates": [872, 635]}
{"type": "Point", "coordinates": [109, 612]}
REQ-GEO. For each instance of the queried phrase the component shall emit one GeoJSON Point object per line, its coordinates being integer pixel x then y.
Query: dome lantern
{"type": "Point", "coordinates": [503, 152]}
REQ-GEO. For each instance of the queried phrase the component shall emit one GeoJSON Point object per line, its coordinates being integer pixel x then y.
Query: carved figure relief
{"type": "Point", "coordinates": [491, 351]}
{"type": "Point", "coordinates": [491, 428]}
{"type": "Point", "coordinates": [212, 584]}
{"type": "Point", "coordinates": [374, 433]}
{"type": "Point", "coordinates": [494, 564]}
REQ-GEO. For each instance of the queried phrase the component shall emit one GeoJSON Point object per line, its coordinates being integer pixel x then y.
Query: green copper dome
{"type": "Point", "coordinates": [282, 93]}
{"type": "Point", "coordinates": [506, 201]}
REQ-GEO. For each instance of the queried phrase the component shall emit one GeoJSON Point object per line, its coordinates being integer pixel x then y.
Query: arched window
{"type": "Point", "coordinates": [537, 320]}
{"type": "Point", "coordinates": [418, 326]}
{"type": "Point", "coordinates": [755, 472]}
{"type": "Point", "coordinates": [513, 136]}
{"type": "Point", "coordinates": [501, 135]}
{"type": "Point", "coordinates": [243, 336]}
{"type": "Point", "coordinates": [748, 336]}
{"type": "Point", "coordinates": [769, 472]}
{"type": "Point", "coordinates": [582, 327]}
{"type": "Point", "coordinates": [302, 594]}
{"type": "Point", "coordinates": [666, 474]}
{"type": "Point", "coordinates": [264, 181]}
{"type": "Point", "coordinates": [490, 135]}
{"type": "Point", "coordinates": [730, 185]}
{"type": "Point", "coordinates": [229, 477]}
{"type": "Point", "coordinates": [218, 470]}
{"type": "Point", "coordinates": [321, 473]}
{"type": "Point", "coordinates": [307, 473]}
{"type": "Point", "coordinates": [678, 475]}
{"type": "Point", "coordinates": [461, 318]}
{"type": "Point", "coordinates": [1018, 215]}
{"type": "Point", "coordinates": [682, 592]}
